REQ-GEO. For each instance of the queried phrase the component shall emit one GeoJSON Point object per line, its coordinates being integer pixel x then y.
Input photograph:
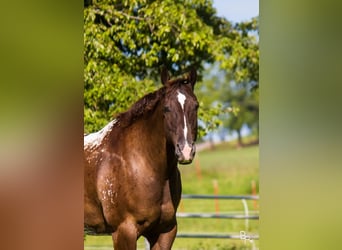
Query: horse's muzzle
{"type": "Point", "coordinates": [185, 153]}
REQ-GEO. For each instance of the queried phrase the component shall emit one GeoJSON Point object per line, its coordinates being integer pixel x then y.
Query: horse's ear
{"type": "Point", "coordinates": [164, 76]}
{"type": "Point", "coordinates": [192, 76]}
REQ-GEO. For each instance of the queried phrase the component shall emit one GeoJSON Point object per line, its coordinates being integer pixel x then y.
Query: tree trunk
{"type": "Point", "coordinates": [239, 143]}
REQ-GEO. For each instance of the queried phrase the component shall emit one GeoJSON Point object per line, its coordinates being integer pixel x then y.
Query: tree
{"type": "Point", "coordinates": [240, 47]}
{"type": "Point", "coordinates": [126, 42]}
{"type": "Point", "coordinates": [233, 81]}
{"type": "Point", "coordinates": [246, 99]}
{"type": "Point", "coordinates": [242, 67]}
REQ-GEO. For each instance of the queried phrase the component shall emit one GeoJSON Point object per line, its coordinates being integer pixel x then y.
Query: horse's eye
{"type": "Point", "coordinates": [166, 109]}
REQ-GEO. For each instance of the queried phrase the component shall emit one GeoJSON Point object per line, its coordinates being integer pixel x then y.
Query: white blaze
{"type": "Point", "coordinates": [181, 99]}
{"type": "Point", "coordinates": [187, 149]}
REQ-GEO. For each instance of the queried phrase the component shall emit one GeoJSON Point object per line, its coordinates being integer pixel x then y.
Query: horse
{"type": "Point", "coordinates": [131, 176]}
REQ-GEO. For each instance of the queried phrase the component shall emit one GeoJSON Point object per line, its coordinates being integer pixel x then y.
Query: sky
{"type": "Point", "coordinates": [237, 10]}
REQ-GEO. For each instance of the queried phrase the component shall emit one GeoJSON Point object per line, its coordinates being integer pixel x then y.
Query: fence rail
{"type": "Point", "coordinates": [224, 197]}
{"type": "Point", "coordinates": [216, 236]}
{"type": "Point", "coordinates": [218, 216]}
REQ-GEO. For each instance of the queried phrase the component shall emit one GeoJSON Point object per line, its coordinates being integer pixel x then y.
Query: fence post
{"type": "Point", "coordinates": [216, 192]}
{"type": "Point", "coordinates": [254, 193]}
{"type": "Point", "coordinates": [246, 214]}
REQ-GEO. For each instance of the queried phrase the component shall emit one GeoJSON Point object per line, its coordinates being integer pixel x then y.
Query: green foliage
{"type": "Point", "coordinates": [240, 48]}
{"type": "Point", "coordinates": [127, 42]}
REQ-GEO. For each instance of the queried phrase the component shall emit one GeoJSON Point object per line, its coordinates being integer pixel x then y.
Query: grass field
{"type": "Point", "coordinates": [233, 170]}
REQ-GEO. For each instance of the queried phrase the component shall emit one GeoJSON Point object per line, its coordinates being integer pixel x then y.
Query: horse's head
{"type": "Point", "coordinates": [180, 115]}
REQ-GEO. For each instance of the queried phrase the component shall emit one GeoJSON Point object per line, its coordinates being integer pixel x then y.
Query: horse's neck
{"type": "Point", "coordinates": [154, 143]}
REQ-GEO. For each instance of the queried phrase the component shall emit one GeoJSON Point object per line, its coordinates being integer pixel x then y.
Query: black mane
{"type": "Point", "coordinates": [143, 106]}
{"type": "Point", "coordinates": [149, 102]}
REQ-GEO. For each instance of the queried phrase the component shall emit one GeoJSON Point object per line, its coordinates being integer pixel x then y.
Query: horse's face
{"type": "Point", "coordinates": [180, 116]}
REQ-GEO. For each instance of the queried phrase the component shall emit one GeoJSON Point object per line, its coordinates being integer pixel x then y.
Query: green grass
{"type": "Point", "coordinates": [233, 170]}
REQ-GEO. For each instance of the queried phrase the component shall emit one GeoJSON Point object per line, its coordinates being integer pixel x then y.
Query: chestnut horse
{"type": "Point", "coordinates": [132, 182]}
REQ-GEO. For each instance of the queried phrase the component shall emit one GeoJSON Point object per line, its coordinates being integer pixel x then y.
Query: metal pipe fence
{"type": "Point", "coordinates": [246, 216]}
{"type": "Point", "coordinates": [224, 197]}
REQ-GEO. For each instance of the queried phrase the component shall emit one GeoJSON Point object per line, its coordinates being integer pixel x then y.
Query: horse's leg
{"type": "Point", "coordinates": [125, 237]}
{"type": "Point", "coordinates": [163, 241]}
